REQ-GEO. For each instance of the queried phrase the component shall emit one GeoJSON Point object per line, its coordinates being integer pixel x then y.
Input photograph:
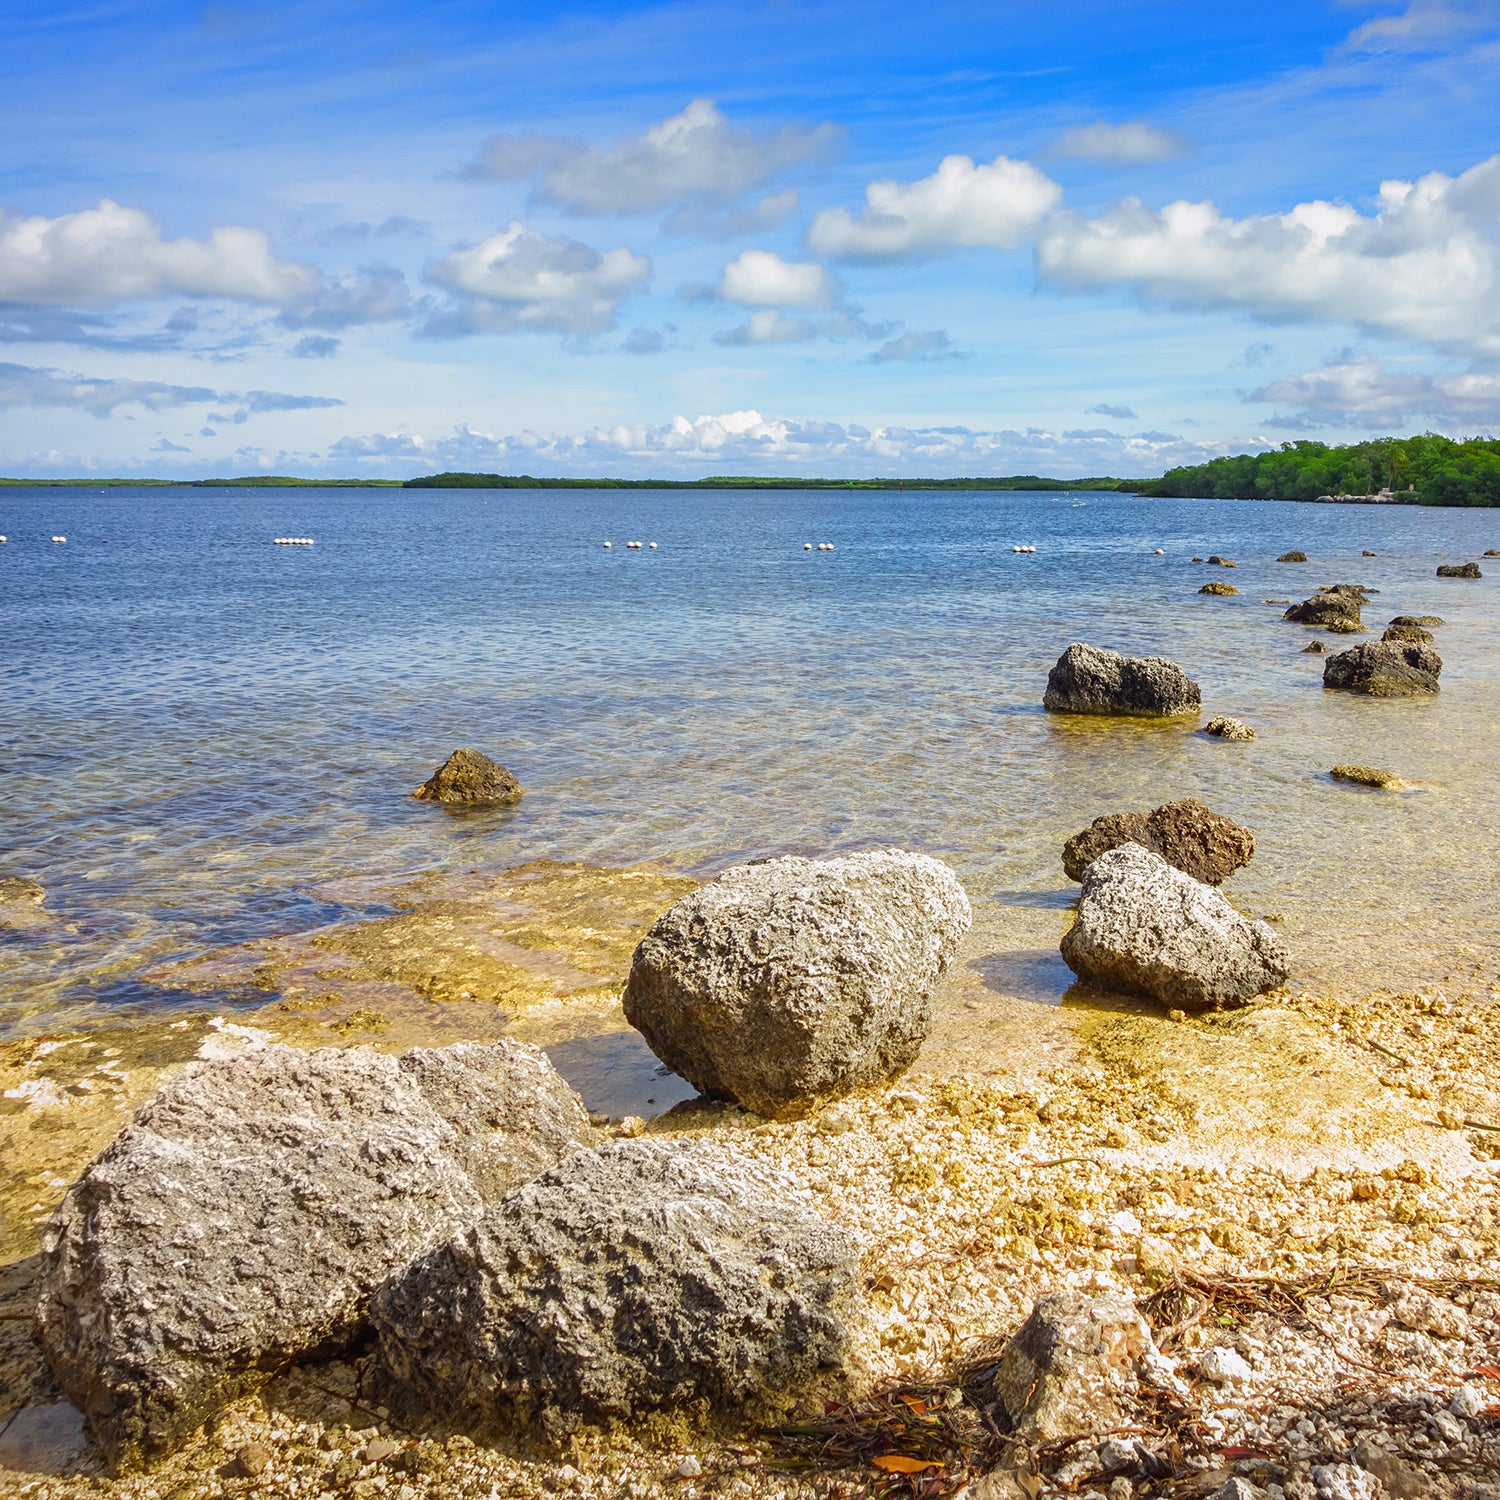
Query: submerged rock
{"type": "Point", "coordinates": [15, 890]}
{"type": "Point", "coordinates": [1292, 557]}
{"type": "Point", "coordinates": [1221, 562]}
{"type": "Point", "coordinates": [1385, 670]}
{"type": "Point", "coordinates": [1188, 835]}
{"type": "Point", "coordinates": [1315, 648]}
{"type": "Point", "coordinates": [1327, 610]}
{"type": "Point", "coordinates": [1218, 588]}
{"type": "Point", "coordinates": [1400, 633]}
{"type": "Point", "coordinates": [470, 777]}
{"type": "Point", "coordinates": [1224, 728]}
{"type": "Point", "coordinates": [1145, 928]}
{"type": "Point", "coordinates": [1367, 776]}
{"type": "Point", "coordinates": [1090, 680]}
{"type": "Point", "coordinates": [634, 1278]}
{"type": "Point", "coordinates": [1459, 570]}
{"type": "Point", "coordinates": [246, 1213]}
{"type": "Point", "coordinates": [784, 984]}
{"type": "Point", "coordinates": [1425, 621]}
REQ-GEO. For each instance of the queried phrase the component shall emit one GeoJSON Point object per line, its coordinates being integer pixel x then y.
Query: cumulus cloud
{"type": "Point", "coordinates": [761, 278]}
{"type": "Point", "coordinates": [1118, 145]}
{"type": "Point", "coordinates": [769, 212]}
{"type": "Point", "coordinates": [696, 155]}
{"type": "Point", "coordinates": [519, 279]}
{"type": "Point", "coordinates": [1422, 266]}
{"type": "Point", "coordinates": [996, 204]}
{"type": "Point", "coordinates": [100, 257]}
{"type": "Point", "coordinates": [30, 385]}
{"type": "Point", "coordinates": [1364, 393]}
{"type": "Point", "coordinates": [1119, 413]}
{"type": "Point", "coordinates": [373, 294]}
{"type": "Point", "coordinates": [930, 345]}
{"type": "Point", "coordinates": [769, 325]}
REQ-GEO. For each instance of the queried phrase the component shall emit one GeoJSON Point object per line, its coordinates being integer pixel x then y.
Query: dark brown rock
{"type": "Point", "coordinates": [1423, 620]}
{"type": "Point", "coordinates": [1385, 670]}
{"type": "Point", "coordinates": [1402, 633]}
{"type": "Point", "coordinates": [470, 778]}
{"type": "Point", "coordinates": [1292, 557]}
{"type": "Point", "coordinates": [1459, 570]}
{"type": "Point", "coordinates": [1218, 588]}
{"type": "Point", "coordinates": [1327, 609]}
{"type": "Point", "coordinates": [1222, 562]}
{"type": "Point", "coordinates": [1315, 648]}
{"type": "Point", "coordinates": [1188, 835]}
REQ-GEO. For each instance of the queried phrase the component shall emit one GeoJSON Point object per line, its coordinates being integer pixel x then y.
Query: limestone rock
{"type": "Point", "coordinates": [1326, 609]}
{"type": "Point", "coordinates": [1385, 670]}
{"type": "Point", "coordinates": [1223, 589]}
{"type": "Point", "coordinates": [1399, 634]}
{"type": "Point", "coordinates": [1367, 776]}
{"type": "Point", "coordinates": [634, 1278]}
{"type": "Point", "coordinates": [1145, 928]}
{"type": "Point", "coordinates": [15, 890]}
{"type": "Point", "coordinates": [1459, 570]}
{"type": "Point", "coordinates": [470, 778]}
{"type": "Point", "coordinates": [1424, 620]}
{"type": "Point", "coordinates": [1188, 835]}
{"type": "Point", "coordinates": [1292, 557]}
{"type": "Point", "coordinates": [245, 1214]}
{"type": "Point", "coordinates": [789, 983]}
{"type": "Point", "coordinates": [1221, 562]}
{"type": "Point", "coordinates": [1315, 648]}
{"type": "Point", "coordinates": [1492, 552]}
{"type": "Point", "coordinates": [1090, 680]}
{"type": "Point", "coordinates": [1223, 728]}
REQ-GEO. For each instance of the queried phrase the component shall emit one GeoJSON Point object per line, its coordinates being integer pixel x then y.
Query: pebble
{"type": "Point", "coordinates": [689, 1468]}
{"type": "Point", "coordinates": [1225, 1366]}
{"type": "Point", "coordinates": [253, 1459]}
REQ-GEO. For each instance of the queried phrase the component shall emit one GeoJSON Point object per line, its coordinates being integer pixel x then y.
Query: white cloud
{"type": "Point", "coordinates": [761, 278]}
{"type": "Point", "coordinates": [1118, 145]}
{"type": "Point", "coordinates": [1422, 266]}
{"type": "Point", "coordinates": [29, 385]}
{"type": "Point", "coordinates": [102, 256]}
{"type": "Point", "coordinates": [1423, 25]}
{"type": "Point", "coordinates": [519, 279]}
{"type": "Point", "coordinates": [1119, 413]}
{"type": "Point", "coordinates": [997, 204]}
{"type": "Point", "coordinates": [693, 155]}
{"type": "Point", "coordinates": [1364, 393]}
{"type": "Point", "coordinates": [769, 325]}
{"type": "Point", "coordinates": [932, 344]}
{"type": "Point", "coordinates": [765, 213]}
{"type": "Point", "coordinates": [373, 294]}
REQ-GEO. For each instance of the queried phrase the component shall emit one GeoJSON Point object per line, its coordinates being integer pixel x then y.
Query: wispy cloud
{"type": "Point", "coordinates": [1123, 145]}
{"type": "Point", "coordinates": [933, 344]}
{"type": "Point", "coordinates": [30, 385]}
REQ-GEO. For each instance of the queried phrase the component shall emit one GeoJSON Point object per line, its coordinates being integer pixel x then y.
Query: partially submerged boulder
{"type": "Point", "coordinates": [246, 1213]}
{"type": "Point", "coordinates": [16, 890]}
{"type": "Point", "coordinates": [1293, 556]}
{"type": "Point", "coordinates": [1144, 928]}
{"type": "Point", "coordinates": [1222, 562]}
{"type": "Point", "coordinates": [788, 983]}
{"type": "Point", "coordinates": [1367, 776]}
{"type": "Point", "coordinates": [469, 778]}
{"type": "Point", "coordinates": [1327, 610]}
{"type": "Point", "coordinates": [1224, 728]}
{"type": "Point", "coordinates": [1315, 648]}
{"type": "Point", "coordinates": [1090, 680]}
{"type": "Point", "coordinates": [1223, 589]}
{"type": "Point", "coordinates": [1423, 620]}
{"type": "Point", "coordinates": [1384, 669]}
{"type": "Point", "coordinates": [635, 1278]}
{"type": "Point", "coordinates": [1459, 570]}
{"type": "Point", "coordinates": [1189, 836]}
{"type": "Point", "coordinates": [1399, 634]}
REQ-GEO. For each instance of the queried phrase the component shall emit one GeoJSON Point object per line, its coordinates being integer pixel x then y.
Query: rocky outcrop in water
{"type": "Point", "coordinates": [1218, 588]}
{"type": "Point", "coordinates": [1222, 562]}
{"type": "Point", "coordinates": [1224, 728]}
{"type": "Point", "coordinates": [1315, 648]}
{"type": "Point", "coordinates": [1459, 570]}
{"type": "Point", "coordinates": [15, 890]}
{"type": "Point", "coordinates": [1292, 557]}
{"type": "Point", "coordinates": [1327, 610]}
{"type": "Point", "coordinates": [1399, 634]}
{"type": "Point", "coordinates": [1426, 621]}
{"type": "Point", "coordinates": [1144, 928]}
{"type": "Point", "coordinates": [1385, 670]}
{"type": "Point", "coordinates": [631, 1279]}
{"type": "Point", "coordinates": [1090, 680]}
{"type": "Point", "coordinates": [1188, 835]}
{"type": "Point", "coordinates": [1367, 776]}
{"type": "Point", "coordinates": [784, 984]}
{"type": "Point", "coordinates": [245, 1214]}
{"type": "Point", "coordinates": [469, 778]}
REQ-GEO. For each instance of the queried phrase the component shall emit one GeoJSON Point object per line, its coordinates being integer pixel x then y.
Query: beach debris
{"type": "Point", "coordinates": [789, 983]}
{"type": "Point", "coordinates": [1382, 669]}
{"type": "Point", "coordinates": [470, 778]}
{"type": "Point", "coordinates": [1189, 836]}
{"type": "Point", "coordinates": [1416, 633]}
{"type": "Point", "coordinates": [1091, 680]}
{"type": "Point", "coordinates": [1368, 776]}
{"type": "Point", "coordinates": [246, 1213]}
{"type": "Point", "coordinates": [1225, 728]}
{"type": "Point", "coordinates": [639, 1277]}
{"type": "Point", "coordinates": [1218, 588]}
{"type": "Point", "coordinates": [1145, 928]}
{"type": "Point", "coordinates": [1292, 557]}
{"type": "Point", "coordinates": [1459, 570]}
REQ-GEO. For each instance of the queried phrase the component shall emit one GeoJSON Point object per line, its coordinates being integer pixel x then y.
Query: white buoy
{"type": "Point", "coordinates": [59, 539]}
{"type": "Point", "coordinates": [807, 546]}
{"type": "Point", "coordinates": [608, 545]}
{"type": "Point", "coordinates": [651, 545]}
{"type": "Point", "coordinates": [4, 538]}
{"type": "Point", "coordinates": [1161, 551]}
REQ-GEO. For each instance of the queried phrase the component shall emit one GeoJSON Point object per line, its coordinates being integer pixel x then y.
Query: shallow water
{"type": "Point", "coordinates": [197, 727]}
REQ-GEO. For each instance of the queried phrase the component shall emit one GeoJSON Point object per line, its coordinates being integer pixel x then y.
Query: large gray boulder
{"type": "Point", "coordinates": [1385, 669]}
{"type": "Point", "coordinates": [784, 984]}
{"type": "Point", "coordinates": [1090, 680]}
{"type": "Point", "coordinates": [246, 1213]}
{"type": "Point", "coordinates": [635, 1278]}
{"type": "Point", "coordinates": [1144, 928]}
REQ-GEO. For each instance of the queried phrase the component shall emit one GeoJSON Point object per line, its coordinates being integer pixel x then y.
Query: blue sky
{"type": "Point", "coordinates": [781, 237]}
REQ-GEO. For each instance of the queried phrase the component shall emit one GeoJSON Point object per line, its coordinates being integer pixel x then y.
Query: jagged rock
{"type": "Point", "coordinates": [1074, 1365]}
{"type": "Point", "coordinates": [1292, 557]}
{"type": "Point", "coordinates": [1326, 610]}
{"type": "Point", "coordinates": [1402, 633]}
{"type": "Point", "coordinates": [1218, 588]}
{"type": "Point", "coordinates": [470, 778]}
{"type": "Point", "coordinates": [1385, 670]}
{"type": "Point", "coordinates": [1459, 570]}
{"type": "Point", "coordinates": [246, 1213]}
{"type": "Point", "coordinates": [15, 890]}
{"type": "Point", "coordinates": [1315, 648]}
{"type": "Point", "coordinates": [1224, 728]}
{"type": "Point", "coordinates": [1423, 620]}
{"type": "Point", "coordinates": [1090, 680]}
{"type": "Point", "coordinates": [1188, 835]}
{"type": "Point", "coordinates": [1144, 928]}
{"type": "Point", "coordinates": [634, 1278]}
{"type": "Point", "coordinates": [785, 984]}
{"type": "Point", "coordinates": [1367, 776]}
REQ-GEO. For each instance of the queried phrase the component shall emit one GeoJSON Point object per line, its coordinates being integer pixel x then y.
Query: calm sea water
{"type": "Point", "coordinates": [196, 726]}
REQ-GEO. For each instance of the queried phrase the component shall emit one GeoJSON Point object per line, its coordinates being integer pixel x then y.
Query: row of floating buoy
{"type": "Point", "coordinates": [822, 546]}
{"type": "Point", "coordinates": [1024, 547]}
{"type": "Point", "coordinates": [292, 541]}
{"type": "Point", "coordinates": [59, 539]}
{"type": "Point", "coordinates": [633, 546]}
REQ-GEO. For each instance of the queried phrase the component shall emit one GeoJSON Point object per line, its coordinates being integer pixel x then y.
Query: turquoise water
{"type": "Point", "coordinates": [197, 726]}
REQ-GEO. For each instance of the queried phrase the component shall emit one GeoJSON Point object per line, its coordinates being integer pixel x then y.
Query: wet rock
{"type": "Point", "coordinates": [1144, 928]}
{"type": "Point", "coordinates": [245, 1214]}
{"type": "Point", "coordinates": [1423, 620]}
{"type": "Point", "coordinates": [1073, 1365]}
{"type": "Point", "coordinates": [1090, 680]}
{"type": "Point", "coordinates": [1292, 557]}
{"type": "Point", "coordinates": [1459, 570]}
{"type": "Point", "coordinates": [470, 778]}
{"type": "Point", "coordinates": [1367, 776]}
{"type": "Point", "coordinates": [15, 890]}
{"type": "Point", "coordinates": [1326, 610]}
{"type": "Point", "coordinates": [1402, 633]}
{"type": "Point", "coordinates": [1492, 552]}
{"type": "Point", "coordinates": [634, 1278]}
{"type": "Point", "coordinates": [1367, 553]}
{"type": "Point", "coordinates": [1188, 835]}
{"type": "Point", "coordinates": [1315, 648]}
{"type": "Point", "coordinates": [786, 984]}
{"type": "Point", "coordinates": [1221, 562]}
{"type": "Point", "coordinates": [1218, 588]}
{"type": "Point", "coordinates": [1224, 728]}
{"type": "Point", "coordinates": [1385, 670]}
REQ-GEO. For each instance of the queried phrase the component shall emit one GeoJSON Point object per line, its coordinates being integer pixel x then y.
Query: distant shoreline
{"type": "Point", "coordinates": [530, 482]}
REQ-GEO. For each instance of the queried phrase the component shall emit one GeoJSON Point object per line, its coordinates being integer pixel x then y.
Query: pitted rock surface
{"type": "Point", "coordinates": [470, 778]}
{"type": "Point", "coordinates": [1338, 606]}
{"type": "Point", "coordinates": [1144, 928]}
{"type": "Point", "coordinates": [1385, 669]}
{"type": "Point", "coordinates": [785, 984]}
{"type": "Point", "coordinates": [638, 1277]}
{"type": "Point", "coordinates": [246, 1213]}
{"type": "Point", "coordinates": [1090, 680]}
{"type": "Point", "coordinates": [1189, 836]}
